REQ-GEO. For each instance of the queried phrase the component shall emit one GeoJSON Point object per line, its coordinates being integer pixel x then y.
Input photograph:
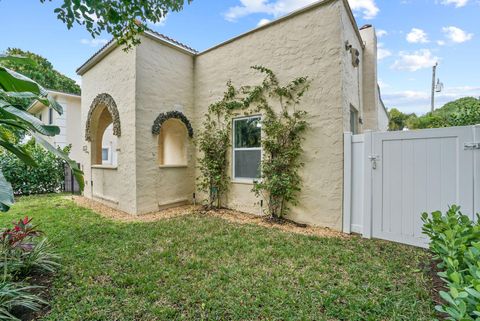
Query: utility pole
{"type": "Point", "coordinates": [434, 76]}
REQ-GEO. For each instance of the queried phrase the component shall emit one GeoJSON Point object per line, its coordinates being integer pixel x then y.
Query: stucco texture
{"type": "Point", "coordinates": [115, 75]}
{"type": "Point", "coordinates": [307, 45]}
{"type": "Point", "coordinates": [158, 77]}
{"type": "Point", "coordinates": [164, 83]}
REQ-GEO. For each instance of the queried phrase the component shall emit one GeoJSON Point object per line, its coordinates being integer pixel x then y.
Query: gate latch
{"type": "Point", "coordinates": [374, 159]}
{"type": "Point", "coordinates": [471, 146]}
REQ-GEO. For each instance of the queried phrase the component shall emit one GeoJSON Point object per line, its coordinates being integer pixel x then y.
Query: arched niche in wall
{"type": "Point", "coordinates": [173, 129]}
{"type": "Point", "coordinates": [102, 130]}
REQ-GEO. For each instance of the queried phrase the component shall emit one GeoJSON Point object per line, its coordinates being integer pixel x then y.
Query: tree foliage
{"type": "Point", "coordinates": [46, 177]}
{"type": "Point", "coordinates": [397, 119]}
{"type": "Point", "coordinates": [15, 85]}
{"type": "Point", "coordinates": [122, 19]}
{"type": "Point", "coordinates": [40, 71]}
{"type": "Point", "coordinates": [282, 136]}
{"type": "Point", "coordinates": [214, 143]}
{"type": "Point", "coordinates": [461, 112]}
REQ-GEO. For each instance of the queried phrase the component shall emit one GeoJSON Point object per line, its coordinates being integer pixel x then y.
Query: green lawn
{"type": "Point", "coordinates": [199, 267]}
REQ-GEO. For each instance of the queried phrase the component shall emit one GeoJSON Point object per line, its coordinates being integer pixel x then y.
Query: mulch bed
{"type": "Point", "coordinates": [44, 282]}
{"type": "Point", "coordinates": [229, 215]}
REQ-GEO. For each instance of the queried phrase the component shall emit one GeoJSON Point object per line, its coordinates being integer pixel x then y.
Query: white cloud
{"type": "Point", "coordinates": [381, 33]}
{"type": "Point", "coordinates": [415, 101]}
{"type": "Point", "coordinates": [457, 3]}
{"type": "Point", "coordinates": [441, 43]}
{"type": "Point", "coordinates": [456, 34]}
{"type": "Point", "coordinates": [95, 42]}
{"type": "Point", "coordinates": [382, 53]}
{"type": "Point", "coordinates": [368, 8]}
{"type": "Point", "coordinates": [276, 8]}
{"type": "Point", "coordinates": [383, 84]}
{"type": "Point", "coordinates": [417, 36]}
{"type": "Point", "coordinates": [263, 22]}
{"type": "Point", "coordinates": [413, 61]}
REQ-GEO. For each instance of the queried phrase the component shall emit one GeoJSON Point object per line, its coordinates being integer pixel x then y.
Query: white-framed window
{"type": "Point", "coordinates": [247, 148]}
{"type": "Point", "coordinates": [106, 155]}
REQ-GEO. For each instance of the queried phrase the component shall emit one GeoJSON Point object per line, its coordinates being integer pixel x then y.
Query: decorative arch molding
{"type": "Point", "coordinates": [163, 117]}
{"type": "Point", "coordinates": [107, 101]}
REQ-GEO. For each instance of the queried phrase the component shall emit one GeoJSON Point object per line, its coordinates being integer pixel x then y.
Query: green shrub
{"type": "Point", "coordinates": [21, 256]}
{"type": "Point", "coordinates": [47, 177]}
{"type": "Point", "coordinates": [455, 242]}
{"type": "Point", "coordinates": [17, 296]}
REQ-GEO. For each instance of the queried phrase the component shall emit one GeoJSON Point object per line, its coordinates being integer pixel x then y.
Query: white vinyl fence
{"type": "Point", "coordinates": [391, 178]}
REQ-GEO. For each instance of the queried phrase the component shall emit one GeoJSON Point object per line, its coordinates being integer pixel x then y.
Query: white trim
{"type": "Point", "coordinates": [109, 167]}
{"type": "Point", "coordinates": [347, 182]}
{"type": "Point", "coordinates": [244, 180]}
{"type": "Point", "coordinates": [367, 190]}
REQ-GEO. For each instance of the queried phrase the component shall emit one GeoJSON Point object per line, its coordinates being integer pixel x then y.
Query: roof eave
{"type": "Point", "coordinates": [96, 58]}
{"type": "Point", "coordinates": [114, 44]}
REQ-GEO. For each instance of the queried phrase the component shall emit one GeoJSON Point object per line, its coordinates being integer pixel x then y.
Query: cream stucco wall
{"type": "Point", "coordinates": [164, 83]}
{"type": "Point", "coordinates": [352, 79]}
{"type": "Point", "coordinates": [371, 93]}
{"type": "Point", "coordinates": [114, 75]}
{"type": "Point", "coordinates": [310, 44]}
{"type": "Point", "coordinates": [157, 77]}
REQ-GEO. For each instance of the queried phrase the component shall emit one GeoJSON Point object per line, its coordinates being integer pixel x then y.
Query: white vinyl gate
{"type": "Point", "coordinates": [391, 178]}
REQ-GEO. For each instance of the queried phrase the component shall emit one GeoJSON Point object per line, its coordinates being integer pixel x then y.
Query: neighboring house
{"type": "Point", "coordinates": [156, 167]}
{"type": "Point", "coordinates": [69, 121]}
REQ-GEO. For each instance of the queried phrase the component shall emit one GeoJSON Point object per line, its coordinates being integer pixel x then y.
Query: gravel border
{"type": "Point", "coordinates": [228, 215]}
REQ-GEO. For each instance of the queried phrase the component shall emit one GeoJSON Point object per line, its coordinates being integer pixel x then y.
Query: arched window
{"type": "Point", "coordinates": [172, 143]}
{"type": "Point", "coordinates": [102, 130]}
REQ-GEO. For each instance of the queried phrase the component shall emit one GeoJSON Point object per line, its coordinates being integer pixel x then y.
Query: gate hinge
{"type": "Point", "coordinates": [471, 146]}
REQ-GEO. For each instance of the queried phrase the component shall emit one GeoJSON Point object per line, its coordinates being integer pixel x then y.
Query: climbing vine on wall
{"type": "Point", "coordinates": [214, 142]}
{"type": "Point", "coordinates": [163, 117]}
{"type": "Point", "coordinates": [283, 128]}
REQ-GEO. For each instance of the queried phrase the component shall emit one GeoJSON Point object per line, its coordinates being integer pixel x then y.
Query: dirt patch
{"type": "Point", "coordinates": [437, 284]}
{"type": "Point", "coordinates": [44, 283]}
{"type": "Point", "coordinates": [228, 215]}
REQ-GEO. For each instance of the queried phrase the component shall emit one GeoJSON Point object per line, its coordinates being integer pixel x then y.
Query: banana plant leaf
{"type": "Point", "coordinates": [18, 151]}
{"type": "Point", "coordinates": [14, 84]}
{"type": "Point", "coordinates": [6, 194]}
{"type": "Point", "coordinates": [9, 112]}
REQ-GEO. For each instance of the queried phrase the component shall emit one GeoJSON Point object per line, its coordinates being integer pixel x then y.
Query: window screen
{"type": "Point", "coordinates": [247, 151]}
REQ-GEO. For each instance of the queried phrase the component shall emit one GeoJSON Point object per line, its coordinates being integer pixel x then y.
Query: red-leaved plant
{"type": "Point", "coordinates": [21, 235]}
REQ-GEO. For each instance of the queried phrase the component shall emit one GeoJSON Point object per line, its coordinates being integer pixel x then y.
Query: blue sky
{"type": "Point", "coordinates": [413, 35]}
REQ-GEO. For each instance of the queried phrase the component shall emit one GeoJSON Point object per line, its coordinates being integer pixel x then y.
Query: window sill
{"type": "Point", "coordinates": [172, 166]}
{"type": "Point", "coordinates": [109, 167]}
{"type": "Point", "coordinates": [243, 181]}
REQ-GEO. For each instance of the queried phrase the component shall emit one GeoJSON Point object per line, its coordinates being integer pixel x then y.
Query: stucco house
{"type": "Point", "coordinates": [68, 122]}
{"type": "Point", "coordinates": [156, 168]}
